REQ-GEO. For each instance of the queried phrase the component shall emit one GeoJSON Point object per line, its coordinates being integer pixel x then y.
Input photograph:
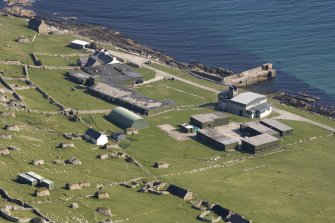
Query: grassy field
{"type": "Point", "coordinates": [147, 73]}
{"type": "Point", "coordinates": [11, 28]}
{"type": "Point", "coordinates": [35, 101]}
{"type": "Point", "coordinates": [58, 61]}
{"type": "Point", "coordinates": [11, 71]}
{"type": "Point", "coordinates": [55, 44]}
{"type": "Point", "coordinates": [293, 186]}
{"type": "Point", "coordinates": [58, 87]}
{"type": "Point", "coordinates": [184, 94]}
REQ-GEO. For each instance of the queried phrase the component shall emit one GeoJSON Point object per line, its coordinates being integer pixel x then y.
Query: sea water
{"type": "Point", "coordinates": [296, 36]}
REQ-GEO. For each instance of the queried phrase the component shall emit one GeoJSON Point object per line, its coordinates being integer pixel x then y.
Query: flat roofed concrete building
{"type": "Point", "coordinates": [260, 144]}
{"type": "Point", "coordinates": [209, 120]}
{"type": "Point", "coordinates": [247, 104]}
{"type": "Point", "coordinates": [127, 119]}
{"type": "Point", "coordinates": [26, 179]}
{"type": "Point", "coordinates": [80, 44]}
{"type": "Point", "coordinates": [277, 126]}
{"type": "Point", "coordinates": [256, 128]}
{"type": "Point", "coordinates": [217, 139]}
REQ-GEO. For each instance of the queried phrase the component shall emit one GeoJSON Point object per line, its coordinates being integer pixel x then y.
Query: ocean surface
{"type": "Point", "coordinates": [296, 36]}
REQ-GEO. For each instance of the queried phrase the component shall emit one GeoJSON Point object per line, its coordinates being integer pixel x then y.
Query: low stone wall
{"type": "Point", "coordinates": [46, 96]}
{"type": "Point", "coordinates": [36, 61]}
{"type": "Point", "coordinates": [11, 62]}
{"type": "Point", "coordinates": [25, 71]}
{"type": "Point", "coordinates": [24, 205]}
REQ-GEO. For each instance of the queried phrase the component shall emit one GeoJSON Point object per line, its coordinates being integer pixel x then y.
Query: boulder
{"type": "Point", "coordinates": [3, 99]}
{"type": "Point", "coordinates": [131, 131]}
{"type": "Point", "coordinates": [13, 148]}
{"type": "Point", "coordinates": [74, 206]}
{"type": "Point", "coordinates": [66, 145]}
{"type": "Point", "coordinates": [4, 152]}
{"type": "Point", "coordinates": [73, 161]}
{"type": "Point", "coordinates": [59, 162]}
{"type": "Point", "coordinates": [4, 136]}
{"type": "Point", "coordinates": [161, 165]}
{"type": "Point", "coordinates": [103, 156]}
{"type": "Point", "coordinates": [75, 186]}
{"type": "Point", "coordinates": [37, 162]}
{"type": "Point", "coordinates": [13, 128]}
{"type": "Point", "coordinates": [101, 195]}
{"type": "Point", "coordinates": [42, 192]}
{"type": "Point", "coordinates": [104, 211]}
{"type": "Point", "coordinates": [84, 184]}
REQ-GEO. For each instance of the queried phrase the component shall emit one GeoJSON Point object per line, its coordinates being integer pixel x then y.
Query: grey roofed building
{"type": "Point", "coordinates": [39, 178]}
{"type": "Point", "coordinates": [277, 126]}
{"type": "Point", "coordinates": [26, 179]}
{"type": "Point", "coordinates": [92, 134]}
{"type": "Point", "coordinates": [217, 139]}
{"type": "Point", "coordinates": [180, 192]}
{"type": "Point", "coordinates": [256, 128]}
{"type": "Point", "coordinates": [248, 98]}
{"type": "Point", "coordinates": [129, 99]}
{"type": "Point", "coordinates": [247, 104]}
{"type": "Point", "coordinates": [260, 144]}
{"type": "Point", "coordinates": [127, 119]}
{"type": "Point", "coordinates": [114, 73]}
{"type": "Point", "coordinates": [209, 120]}
{"type": "Point", "coordinates": [98, 58]}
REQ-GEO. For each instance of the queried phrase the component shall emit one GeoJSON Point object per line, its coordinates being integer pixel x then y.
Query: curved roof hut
{"type": "Point", "coordinates": [127, 119]}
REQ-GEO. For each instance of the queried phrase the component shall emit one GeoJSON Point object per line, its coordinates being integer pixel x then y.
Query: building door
{"type": "Point", "coordinates": [241, 112]}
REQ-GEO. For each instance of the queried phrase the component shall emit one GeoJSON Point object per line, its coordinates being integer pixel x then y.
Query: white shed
{"type": "Point", "coordinates": [79, 44]}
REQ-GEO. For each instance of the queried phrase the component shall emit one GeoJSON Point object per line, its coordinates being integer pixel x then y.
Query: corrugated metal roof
{"type": "Point", "coordinates": [126, 119]}
{"type": "Point", "coordinates": [35, 175]}
{"type": "Point", "coordinates": [247, 98]}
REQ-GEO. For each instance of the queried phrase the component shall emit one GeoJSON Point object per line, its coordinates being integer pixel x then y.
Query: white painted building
{"type": "Point", "coordinates": [79, 44]}
{"type": "Point", "coordinates": [247, 104]}
{"type": "Point", "coordinates": [95, 137]}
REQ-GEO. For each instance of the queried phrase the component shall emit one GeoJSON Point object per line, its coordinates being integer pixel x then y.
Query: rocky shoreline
{"type": "Point", "coordinates": [305, 102]}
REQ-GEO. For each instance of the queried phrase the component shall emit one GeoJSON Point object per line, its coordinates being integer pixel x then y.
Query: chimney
{"type": "Point", "coordinates": [233, 91]}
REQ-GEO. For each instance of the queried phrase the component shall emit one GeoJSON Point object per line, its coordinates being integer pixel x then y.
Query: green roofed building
{"type": "Point", "coordinates": [127, 119]}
